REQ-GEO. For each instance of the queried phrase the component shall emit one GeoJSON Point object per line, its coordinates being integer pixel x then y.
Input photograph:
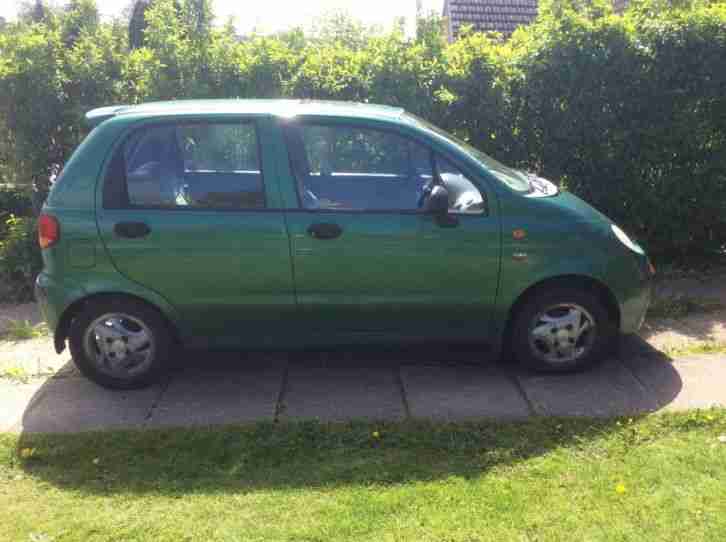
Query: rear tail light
{"type": "Point", "coordinates": [48, 231]}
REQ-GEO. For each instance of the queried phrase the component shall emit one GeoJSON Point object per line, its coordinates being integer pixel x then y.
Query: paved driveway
{"type": "Point", "coordinates": [439, 382]}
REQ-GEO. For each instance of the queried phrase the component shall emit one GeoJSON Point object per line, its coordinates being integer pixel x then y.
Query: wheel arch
{"type": "Point", "coordinates": [74, 309]}
{"type": "Point", "coordinates": [587, 283]}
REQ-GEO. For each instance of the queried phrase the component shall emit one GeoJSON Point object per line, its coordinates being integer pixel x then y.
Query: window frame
{"type": "Point", "coordinates": [289, 124]}
{"type": "Point", "coordinates": [114, 178]}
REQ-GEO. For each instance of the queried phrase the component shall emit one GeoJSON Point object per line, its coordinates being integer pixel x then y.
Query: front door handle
{"type": "Point", "coordinates": [325, 230]}
{"type": "Point", "coordinates": [132, 230]}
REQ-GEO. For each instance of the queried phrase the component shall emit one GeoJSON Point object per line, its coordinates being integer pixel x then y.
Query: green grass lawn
{"type": "Point", "coordinates": [661, 477]}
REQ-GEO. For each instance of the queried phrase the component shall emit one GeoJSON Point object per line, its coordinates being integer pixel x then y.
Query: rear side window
{"type": "Point", "coordinates": [195, 165]}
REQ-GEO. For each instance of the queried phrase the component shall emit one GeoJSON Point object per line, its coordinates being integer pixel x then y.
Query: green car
{"type": "Point", "coordinates": [288, 224]}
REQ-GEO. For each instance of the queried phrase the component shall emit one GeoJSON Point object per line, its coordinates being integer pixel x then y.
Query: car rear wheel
{"type": "Point", "coordinates": [120, 343]}
{"type": "Point", "coordinates": [562, 330]}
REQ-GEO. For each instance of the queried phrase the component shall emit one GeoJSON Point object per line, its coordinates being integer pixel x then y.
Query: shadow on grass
{"type": "Point", "coordinates": [309, 454]}
{"type": "Point", "coordinates": [300, 455]}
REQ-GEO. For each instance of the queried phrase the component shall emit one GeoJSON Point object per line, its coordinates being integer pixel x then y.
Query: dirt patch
{"type": "Point", "coordinates": [708, 326]}
{"type": "Point", "coordinates": [32, 357]}
{"type": "Point", "coordinates": [667, 334]}
{"type": "Point", "coordinates": [19, 313]}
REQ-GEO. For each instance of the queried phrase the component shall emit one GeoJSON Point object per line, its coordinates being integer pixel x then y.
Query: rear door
{"type": "Point", "coordinates": [365, 257]}
{"type": "Point", "coordinates": [190, 209]}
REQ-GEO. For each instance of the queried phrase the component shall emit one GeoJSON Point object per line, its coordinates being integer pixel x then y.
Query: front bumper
{"type": "Point", "coordinates": [634, 306]}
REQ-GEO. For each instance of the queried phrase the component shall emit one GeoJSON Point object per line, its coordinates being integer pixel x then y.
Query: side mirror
{"type": "Point", "coordinates": [437, 202]}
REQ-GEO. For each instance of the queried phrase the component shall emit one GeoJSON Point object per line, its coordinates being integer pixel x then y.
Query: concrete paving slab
{"type": "Point", "coordinates": [687, 383]}
{"type": "Point", "coordinates": [234, 390]}
{"type": "Point", "coordinates": [69, 405]}
{"type": "Point", "coordinates": [336, 390]}
{"type": "Point", "coordinates": [456, 392]}
{"type": "Point", "coordinates": [610, 389]}
{"type": "Point", "coordinates": [15, 398]}
{"type": "Point", "coordinates": [656, 374]}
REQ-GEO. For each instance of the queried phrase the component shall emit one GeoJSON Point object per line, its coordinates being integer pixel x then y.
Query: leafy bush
{"type": "Point", "coordinates": [15, 201]}
{"type": "Point", "coordinates": [629, 112]}
{"type": "Point", "coordinates": [20, 260]}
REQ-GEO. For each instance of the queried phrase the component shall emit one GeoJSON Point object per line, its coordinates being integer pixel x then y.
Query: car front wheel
{"type": "Point", "coordinates": [562, 330]}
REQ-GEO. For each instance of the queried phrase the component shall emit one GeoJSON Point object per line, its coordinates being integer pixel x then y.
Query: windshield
{"type": "Point", "coordinates": [516, 180]}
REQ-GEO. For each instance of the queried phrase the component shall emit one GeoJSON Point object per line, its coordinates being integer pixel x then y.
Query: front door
{"type": "Point", "coordinates": [366, 258]}
{"type": "Point", "coordinates": [188, 211]}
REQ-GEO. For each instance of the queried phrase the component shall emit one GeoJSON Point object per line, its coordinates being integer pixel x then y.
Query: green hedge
{"type": "Point", "coordinates": [15, 200]}
{"type": "Point", "coordinates": [627, 111]}
{"type": "Point", "coordinates": [20, 260]}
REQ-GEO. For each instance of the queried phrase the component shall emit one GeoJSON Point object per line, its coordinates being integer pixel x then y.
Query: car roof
{"type": "Point", "coordinates": [280, 108]}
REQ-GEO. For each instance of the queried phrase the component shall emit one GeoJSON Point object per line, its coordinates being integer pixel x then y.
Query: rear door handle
{"type": "Point", "coordinates": [132, 229]}
{"type": "Point", "coordinates": [324, 230]}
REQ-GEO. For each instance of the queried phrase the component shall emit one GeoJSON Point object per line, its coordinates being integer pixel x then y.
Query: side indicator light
{"type": "Point", "coordinates": [519, 234]}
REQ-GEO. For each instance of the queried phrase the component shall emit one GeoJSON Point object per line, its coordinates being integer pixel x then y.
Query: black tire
{"type": "Point", "coordinates": [530, 355]}
{"type": "Point", "coordinates": [156, 325]}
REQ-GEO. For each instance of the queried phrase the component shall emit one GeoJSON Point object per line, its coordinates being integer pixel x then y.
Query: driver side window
{"type": "Point", "coordinates": [357, 168]}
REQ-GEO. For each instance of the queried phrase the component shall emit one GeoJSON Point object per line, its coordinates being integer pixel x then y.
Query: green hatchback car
{"type": "Point", "coordinates": [288, 224]}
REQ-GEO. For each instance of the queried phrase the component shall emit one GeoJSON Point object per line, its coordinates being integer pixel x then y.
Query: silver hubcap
{"type": "Point", "coordinates": [562, 333]}
{"type": "Point", "coordinates": [120, 345]}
